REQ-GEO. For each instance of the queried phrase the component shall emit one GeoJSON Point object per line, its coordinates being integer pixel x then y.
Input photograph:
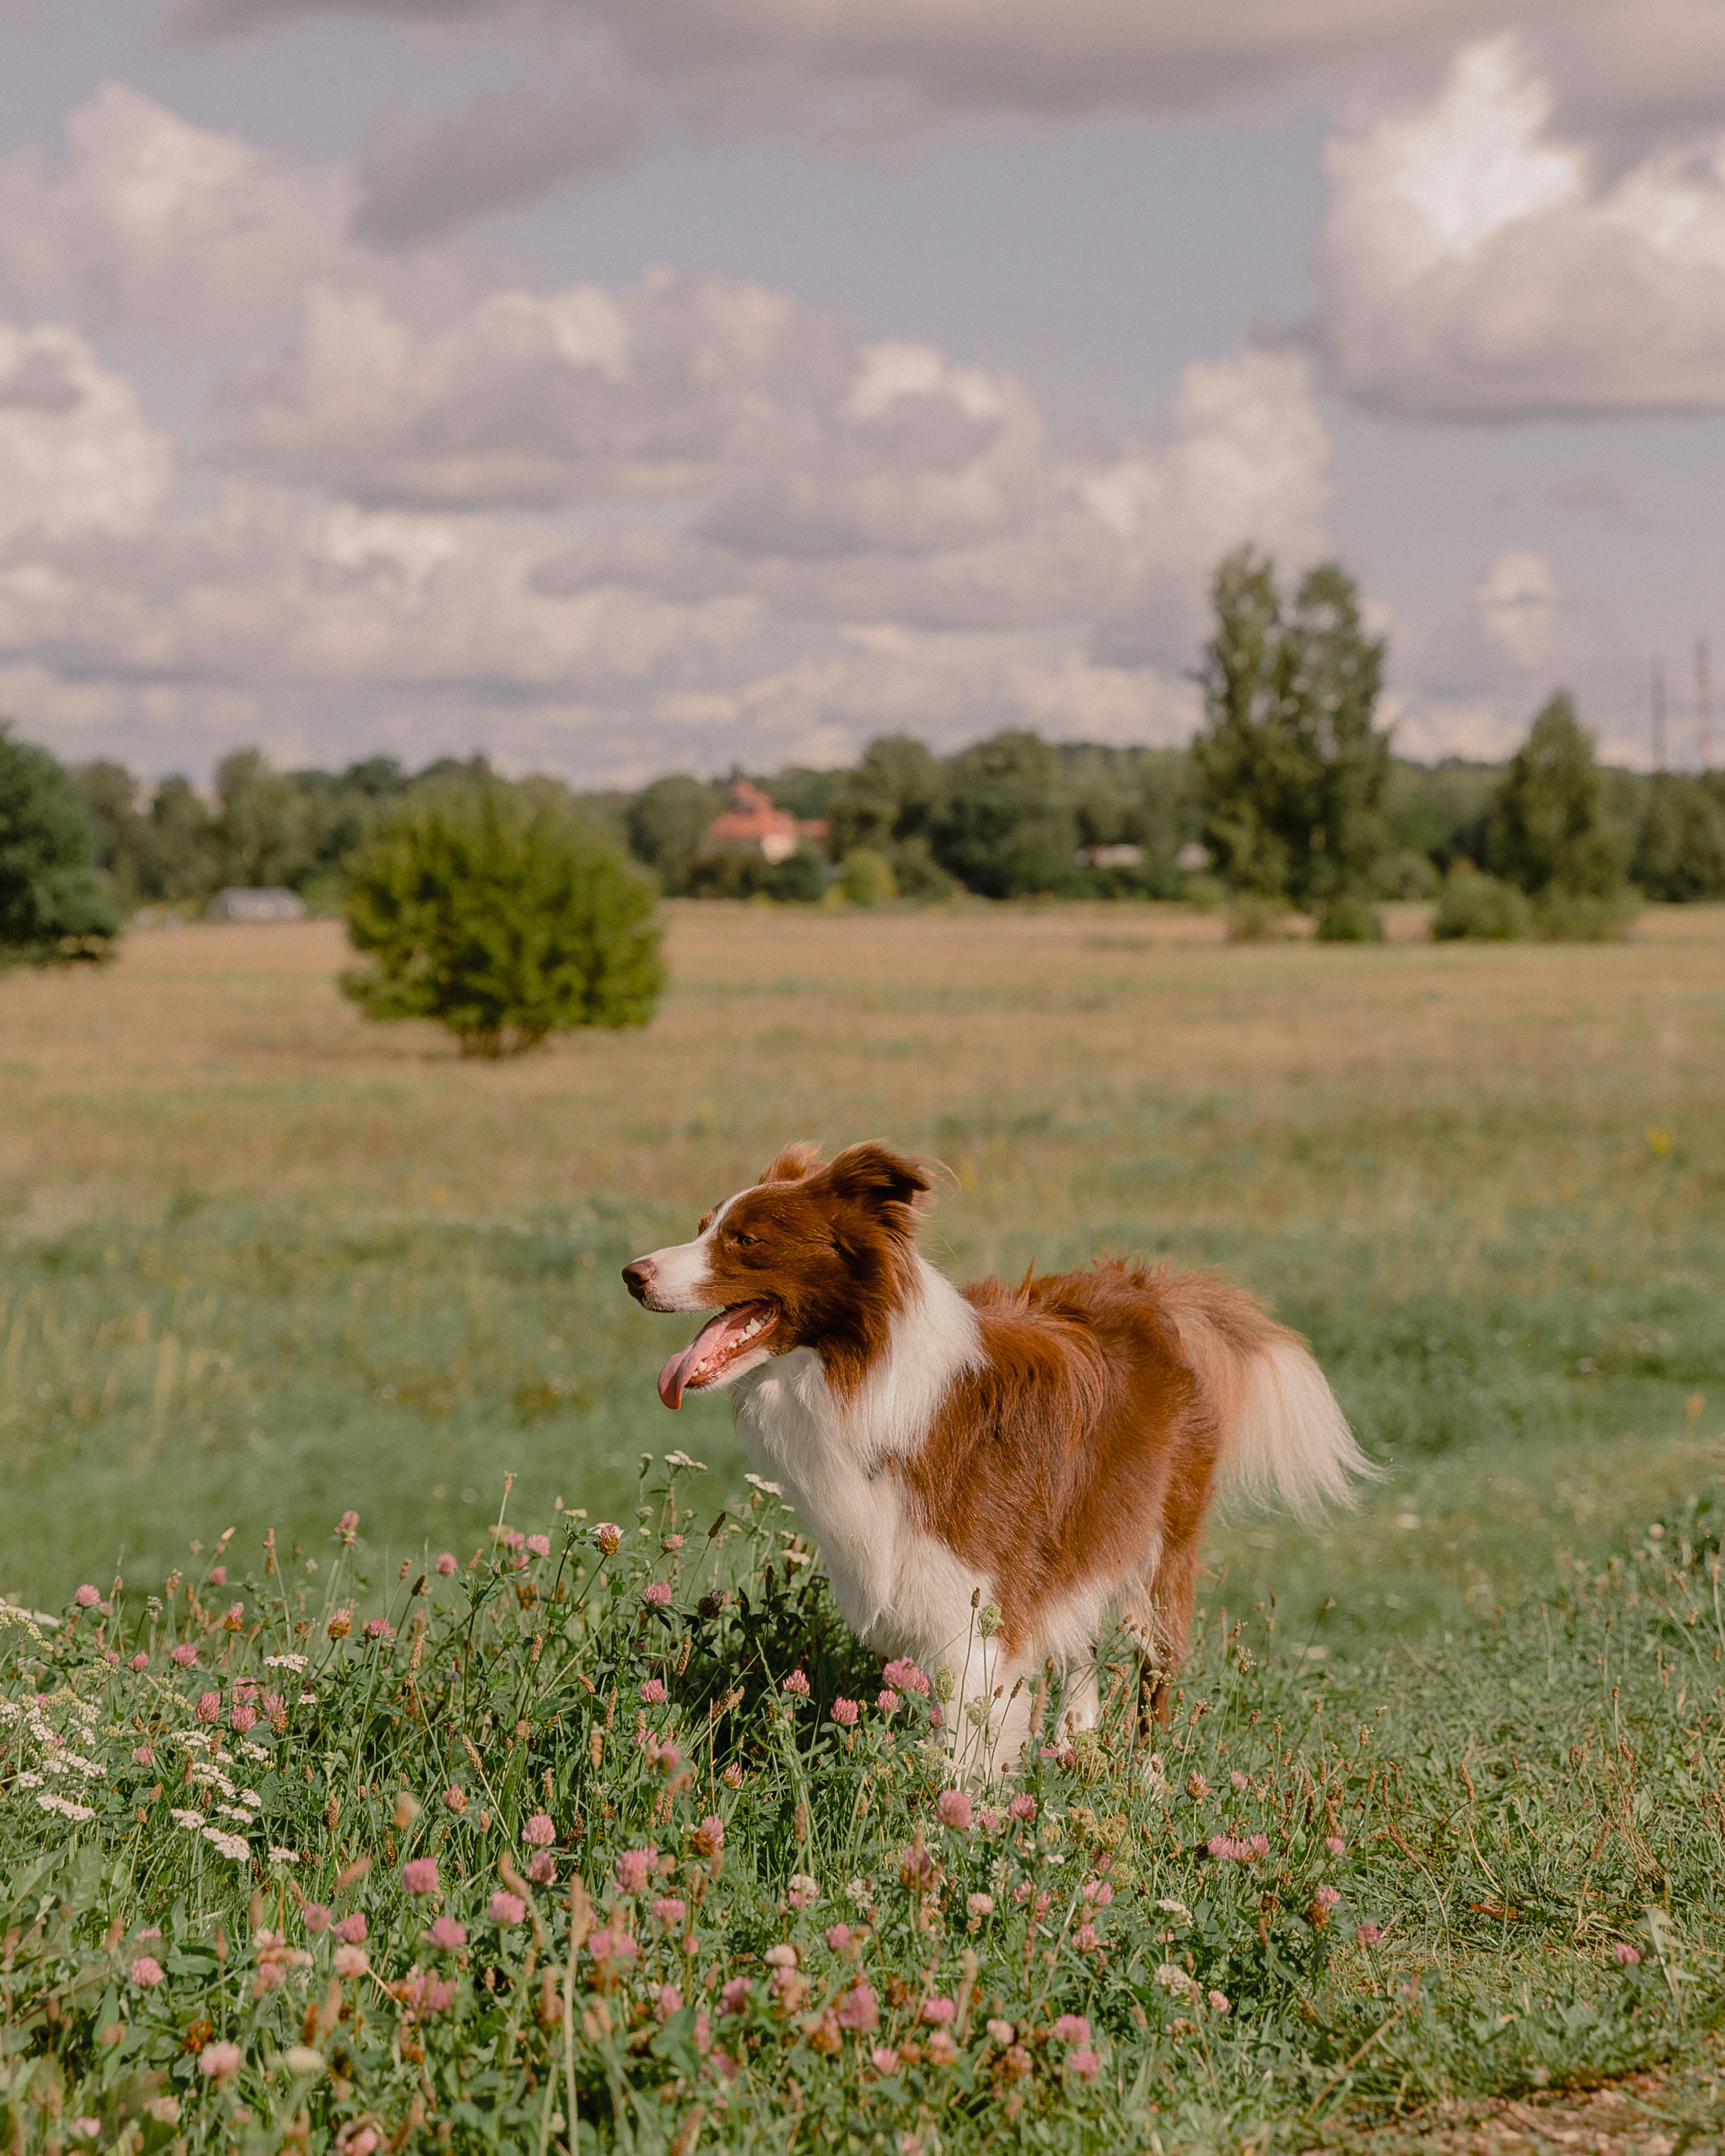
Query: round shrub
{"type": "Point", "coordinates": [1481, 909]}
{"type": "Point", "coordinates": [866, 877]}
{"type": "Point", "coordinates": [1349, 917]}
{"type": "Point", "coordinates": [502, 916]}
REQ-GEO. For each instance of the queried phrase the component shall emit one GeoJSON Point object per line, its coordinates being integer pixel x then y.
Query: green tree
{"type": "Point", "coordinates": [119, 836]}
{"type": "Point", "coordinates": [890, 796]}
{"type": "Point", "coordinates": [179, 854]}
{"type": "Point", "coordinates": [1680, 842]}
{"type": "Point", "coordinates": [502, 916]}
{"type": "Point", "coordinates": [1005, 825]}
{"type": "Point", "coordinates": [1292, 766]}
{"type": "Point", "coordinates": [665, 824]}
{"type": "Point", "coordinates": [1547, 832]}
{"type": "Point", "coordinates": [54, 909]}
{"type": "Point", "coordinates": [263, 826]}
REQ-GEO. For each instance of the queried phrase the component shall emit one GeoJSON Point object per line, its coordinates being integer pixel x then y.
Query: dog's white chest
{"type": "Point", "coordinates": [901, 1590]}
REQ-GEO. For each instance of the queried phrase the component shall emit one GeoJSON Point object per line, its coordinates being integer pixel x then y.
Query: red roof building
{"type": "Point", "coordinates": [753, 821]}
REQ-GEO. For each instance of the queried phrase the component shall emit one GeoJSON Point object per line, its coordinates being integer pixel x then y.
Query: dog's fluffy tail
{"type": "Point", "coordinates": [1285, 1441]}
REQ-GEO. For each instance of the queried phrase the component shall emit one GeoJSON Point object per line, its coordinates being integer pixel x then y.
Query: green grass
{"type": "Point", "coordinates": [1331, 1893]}
{"type": "Point", "coordinates": [260, 1264]}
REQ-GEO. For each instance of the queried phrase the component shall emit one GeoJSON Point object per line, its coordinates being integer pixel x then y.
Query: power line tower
{"type": "Point", "coordinates": [1656, 699]}
{"type": "Point", "coordinates": [1703, 704]}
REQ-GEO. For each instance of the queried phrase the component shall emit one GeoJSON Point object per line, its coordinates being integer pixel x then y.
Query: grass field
{"type": "Point", "coordinates": [264, 1260]}
{"type": "Point", "coordinates": [1439, 1820]}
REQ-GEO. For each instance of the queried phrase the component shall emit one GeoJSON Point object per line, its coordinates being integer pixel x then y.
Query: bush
{"type": "Point", "coordinates": [1481, 909]}
{"type": "Point", "coordinates": [55, 910]}
{"type": "Point", "coordinates": [866, 877]}
{"type": "Point", "coordinates": [916, 872]}
{"type": "Point", "coordinates": [1349, 917]}
{"type": "Point", "coordinates": [503, 917]}
{"type": "Point", "coordinates": [1254, 919]}
{"type": "Point", "coordinates": [1405, 875]}
{"type": "Point", "coordinates": [1579, 917]}
{"type": "Point", "coordinates": [798, 880]}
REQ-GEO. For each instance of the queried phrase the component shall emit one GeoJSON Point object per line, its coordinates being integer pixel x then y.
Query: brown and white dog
{"type": "Point", "coordinates": [1050, 1450]}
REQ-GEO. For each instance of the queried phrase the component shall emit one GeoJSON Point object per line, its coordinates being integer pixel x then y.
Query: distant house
{"type": "Point", "coordinates": [236, 905]}
{"type": "Point", "coordinates": [1193, 857]}
{"type": "Point", "coordinates": [752, 823]}
{"type": "Point", "coordinates": [1124, 855]}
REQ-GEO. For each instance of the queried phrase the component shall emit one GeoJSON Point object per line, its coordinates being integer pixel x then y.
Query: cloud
{"type": "Point", "coordinates": [718, 437]}
{"type": "Point", "coordinates": [77, 456]}
{"type": "Point", "coordinates": [1474, 266]}
{"type": "Point", "coordinates": [613, 531]}
{"type": "Point", "coordinates": [1517, 600]}
{"type": "Point", "coordinates": [149, 222]}
{"type": "Point", "coordinates": [506, 148]}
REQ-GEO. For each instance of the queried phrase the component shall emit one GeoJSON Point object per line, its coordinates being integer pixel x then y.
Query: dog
{"type": "Point", "coordinates": [991, 1473]}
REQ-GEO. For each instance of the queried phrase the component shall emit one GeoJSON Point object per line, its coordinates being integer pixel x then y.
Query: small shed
{"type": "Point", "coordinates": [238, 905]}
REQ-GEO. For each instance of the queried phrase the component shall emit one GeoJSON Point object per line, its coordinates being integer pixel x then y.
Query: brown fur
{"type": "Point", "coordinates": [826, 1248]}
{"type": "Point", "coordinates": [1090, 1436]}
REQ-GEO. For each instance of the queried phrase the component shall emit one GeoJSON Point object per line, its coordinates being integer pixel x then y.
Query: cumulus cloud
{"type": "Point", "coordinates": [690, 521]}
{"type": "Point", "coordinates": [505, 148]}
{"type": "Point", "coordinates": [782, 458]}
{"type": "Point", "coordinates": [77, 455]}
{"type": "Point", "coordinates": [1475, 264]}
{"type": "Point", "coordinates": [149, 222]}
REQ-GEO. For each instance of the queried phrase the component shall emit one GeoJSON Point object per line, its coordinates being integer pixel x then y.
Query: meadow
{"type": "Point", "coordinates": [262, 1264]}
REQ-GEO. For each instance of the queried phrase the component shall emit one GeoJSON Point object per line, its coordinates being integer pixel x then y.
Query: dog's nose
{"type": "Point", "coordinates": [637, 1278]}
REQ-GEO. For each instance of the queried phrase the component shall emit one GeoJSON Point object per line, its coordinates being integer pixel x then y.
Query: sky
{"type": "Point", "coordinates": [619, 387]}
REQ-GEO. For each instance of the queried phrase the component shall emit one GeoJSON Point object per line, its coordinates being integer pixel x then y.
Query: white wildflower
{"type": "Point", "coordinates": [232, 1846]}
{"type": "Point", "coordinates": [50, 1803]}
{"type": "Point", "coordinates": [770, 1488]}
{"type": "Point", "coordinates": [285, 1856]}
{"type": "Point", "coordinates": [188, 1819]}
{"type": "Point", "coordinates": [29, 1781]}
{"type": "Point", "coordinates": [295, 1662]}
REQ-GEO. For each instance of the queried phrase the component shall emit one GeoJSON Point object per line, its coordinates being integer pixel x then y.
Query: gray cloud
{"type": "Point", "coordinates": [505, 148]}
{"type": "Point", "coordinates": [1475, 264]}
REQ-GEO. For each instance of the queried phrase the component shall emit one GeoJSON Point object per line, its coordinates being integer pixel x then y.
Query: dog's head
{"type": "Point", "coordinates": [810, 1256]}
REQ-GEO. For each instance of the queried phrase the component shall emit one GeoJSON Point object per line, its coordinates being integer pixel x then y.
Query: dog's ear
{"type": "Point", "coordinates": [873, 1176]}
{"type": "Point", "coordinates": [793, 1163]}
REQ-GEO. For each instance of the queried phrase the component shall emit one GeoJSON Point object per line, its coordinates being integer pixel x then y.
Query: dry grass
{"type": "Point", "coordinates": [1487, 1179]}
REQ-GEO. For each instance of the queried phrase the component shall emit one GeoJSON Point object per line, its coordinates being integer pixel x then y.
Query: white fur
{"type": "Point", "coordinates": [682, 1270]}
{"type": "Point", "coordinates": [1290, 1442]}
{"type": "Point", "coordinates": [901, 1590]}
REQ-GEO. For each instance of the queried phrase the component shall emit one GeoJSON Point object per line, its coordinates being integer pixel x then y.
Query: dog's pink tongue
{"type": "Point", "coordinates": [676, 1372]}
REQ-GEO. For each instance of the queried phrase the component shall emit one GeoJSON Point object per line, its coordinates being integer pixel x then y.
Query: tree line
{"type": "Point", "coordinates": [1290, 798]}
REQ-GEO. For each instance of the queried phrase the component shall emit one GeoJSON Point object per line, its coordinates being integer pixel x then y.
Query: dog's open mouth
{"type": "Point", "coordinates": [719, 1343]}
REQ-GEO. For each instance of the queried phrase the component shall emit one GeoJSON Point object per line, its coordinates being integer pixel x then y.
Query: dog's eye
{"type": "Point", "coordinates": [744, 1242]}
